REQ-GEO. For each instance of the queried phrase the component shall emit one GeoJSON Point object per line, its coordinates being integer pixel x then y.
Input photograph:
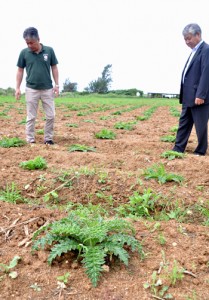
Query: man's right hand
{"type": "Point", "coordinates": [17, 94]}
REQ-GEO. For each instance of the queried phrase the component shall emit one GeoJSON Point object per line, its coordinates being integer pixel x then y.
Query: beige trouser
{"type": "Point", "coordinates": [32, 102]}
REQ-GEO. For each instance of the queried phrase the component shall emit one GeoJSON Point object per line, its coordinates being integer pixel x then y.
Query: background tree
{"type": "Point", "coordinates": [102, 84]}
{"type": "Point", "coordinates": [69, 86]}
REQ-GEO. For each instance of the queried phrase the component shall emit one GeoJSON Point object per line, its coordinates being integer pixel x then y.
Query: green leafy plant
{"type": "Point", "coordinates": [168, 138]}
{"type": "Point", "coordinates": [40, 131]}
{"type": "Point", "coordinates": [81, 148]}
{"type": "Point", "coordinates": [170, 154]}
{"type": "Point", "coordinates": [11, 194]}
{"type": "Point", "coordinates": [174, 111]}
{"type": "Point", "coordinates": [22, 122]}
{"type": "Point", "coordinates": [34, 164]}
{"type": "Point", "coordinates": [92, 236]}
{"type": "Point", "coordinates": [159, 173]}
{"type": "Point", "coordinates": [176, 273]}
{"type": "Point", "coordinates": [72, 125]}
{"type": "Point", "coordinates": [140, 204]}
{"type": "Point", "coordinates": [157, 288]}
{"type": "Point", "coordinates": [64, 278]}
{"type": "Point", "coordinates": [174, 128]}
{"type": "Point", "coordinates": [7, 268]}
{"type": "Point", "coordinates": [12, 142]}
{"type": "Point", "coordinates": [105, 134]}
{"type": "Point", "coordinates": [125, 125]}
{"type": "Point", "coordinates": [147, 114]}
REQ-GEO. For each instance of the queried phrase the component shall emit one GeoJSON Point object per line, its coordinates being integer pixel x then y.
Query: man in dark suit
{"type": "Point", "coordinates": [194, 92]}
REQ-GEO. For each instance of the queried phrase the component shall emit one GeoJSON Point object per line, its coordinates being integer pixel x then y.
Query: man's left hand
{"type": "Point", "coordinates": [199, 101]}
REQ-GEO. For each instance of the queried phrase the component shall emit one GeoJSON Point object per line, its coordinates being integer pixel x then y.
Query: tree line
{"type": "Point", "coordinates": [100, 86]}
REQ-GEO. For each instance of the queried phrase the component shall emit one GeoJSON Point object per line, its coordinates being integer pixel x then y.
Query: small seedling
{"type": "Point", "coordinates": [64, 278]}
{"type": "Point", "coordinates": [34, 164]}
{"type": "Point", "coordinates": [6, 268]}
{"type": "Point", "coordinates": [81, 148]}
{"type": "Point", "coordinates": [105, 134]}
{"type": "Point", "coordinates": [176, 274]}
{"type": "Point", "coordinates": [35, 287]}
{"type": "Point", "coordinates": [12, 142]}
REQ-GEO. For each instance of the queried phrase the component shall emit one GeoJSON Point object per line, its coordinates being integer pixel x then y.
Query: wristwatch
{"type": "Point", "coordinates": [56, 85]}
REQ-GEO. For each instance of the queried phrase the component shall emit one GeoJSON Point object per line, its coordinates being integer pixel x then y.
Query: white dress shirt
{"type": "Point", "coordinates": [190, 58]}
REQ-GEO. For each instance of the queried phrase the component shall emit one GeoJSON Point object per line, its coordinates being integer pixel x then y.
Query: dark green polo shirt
{"type": "Point", "coordinates": [38, 67]}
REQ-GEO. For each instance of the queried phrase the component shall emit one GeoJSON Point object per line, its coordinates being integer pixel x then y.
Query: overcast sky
{"type": "Point", "coordinates": [142, 39]}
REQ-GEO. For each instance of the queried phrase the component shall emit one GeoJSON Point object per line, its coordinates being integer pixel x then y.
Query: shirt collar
{"type": "Point", "coordinates": [197, 46]}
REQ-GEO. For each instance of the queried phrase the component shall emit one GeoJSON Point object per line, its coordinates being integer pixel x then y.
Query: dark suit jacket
{"type": "Point", "coordinates": [196, 80]}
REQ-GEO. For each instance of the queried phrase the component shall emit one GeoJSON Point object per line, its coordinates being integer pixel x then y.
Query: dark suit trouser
{"type": "Point", "coordinates": [198, 116]}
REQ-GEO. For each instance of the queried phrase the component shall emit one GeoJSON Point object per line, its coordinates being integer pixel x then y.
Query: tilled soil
{"type": "Point", "coordinates": [115, 171]}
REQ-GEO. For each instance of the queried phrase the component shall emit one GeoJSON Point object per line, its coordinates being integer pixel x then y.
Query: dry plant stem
{"type": "Point", "coordinates": [60, 186]}
{"type": "Point", "coordinates": [156, 297]}
{"type": "Point", "coordinates": [189, 273]}
{"type": "Point", "coordinates": [15, 225]}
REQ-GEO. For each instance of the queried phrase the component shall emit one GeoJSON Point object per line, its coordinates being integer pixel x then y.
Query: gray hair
{"type": "Point", "coordinates": [31, 33]}
{"type": "Point", "coordinates": [192, 28]}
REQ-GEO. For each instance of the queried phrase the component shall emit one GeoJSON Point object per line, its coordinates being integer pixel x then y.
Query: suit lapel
{"type": "Point", "coordinates": [195, 56]}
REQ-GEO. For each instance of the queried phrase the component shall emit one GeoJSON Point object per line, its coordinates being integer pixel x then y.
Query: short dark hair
{"type": "Point", "coordinates": [31, 33]}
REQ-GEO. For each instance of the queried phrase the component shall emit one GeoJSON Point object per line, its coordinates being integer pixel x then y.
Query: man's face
{"type": "Point", "coordinates": [33, 44]}
{"type": "Point", "coordinates": [192, 40]}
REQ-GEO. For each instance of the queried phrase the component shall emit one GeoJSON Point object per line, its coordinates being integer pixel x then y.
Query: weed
{"type": "Point", "coordinates": [40, 131]}
{"type": "Point", "coordinates": [64, 278]}
{"type": "Point", "coordinates": [11, 194]}
{"type": "Point", "coordinates": [161, 239]}
{"type": "Point", "coordinates": [176, 274]}
{"type": "Point", "coordinates": [72, 125]}
{"type": "Point", "coordinates": [170, 154]}
{"type": "Point", "coordinates": [103, 176]}
{"type": "Point", "coordinates": [12, 142]}
{"type": "Point", "coordinates": [22, 122]}
{"type": "Point", "coordinates": [35, 287]}
{"type": "Point", "coordinates": [158, 172]}
{"type": "Point", "coordinates": [140, 205]}
{"type": "Point", "coordinates": [168, 138]}
{"type": "Point", "coordinates": [34, 164]}
{"type": "Point", "coordinates": [174, 128]}
{"type": "Point", "coordinates": [174, 111]}
{"type": "Point", "coordinates": [81, 148]}
{"type": "Point", "coordinates": [92, 236]}
{"type": "Point", "coordinates": [109, 199]}
{"type": "Point", "coordinates": [105, 134]}
{"type": "Point", "coordinates": [7, 268]}
{"type": "Point", "coordinates": [125, 125]}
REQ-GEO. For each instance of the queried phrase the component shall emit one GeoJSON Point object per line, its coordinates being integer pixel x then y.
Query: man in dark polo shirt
{"type": "Point", "coordinates": [40, 61]}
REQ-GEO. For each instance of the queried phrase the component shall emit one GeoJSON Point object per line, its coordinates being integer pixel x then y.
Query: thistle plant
{"type": "Point", "coordinates": [93, 237]}
{"type": "Point", "coordinates": [105, 134]}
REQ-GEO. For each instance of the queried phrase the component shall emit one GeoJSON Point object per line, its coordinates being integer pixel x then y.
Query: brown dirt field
{"type": "Point", "coordinates": [123, 160]}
